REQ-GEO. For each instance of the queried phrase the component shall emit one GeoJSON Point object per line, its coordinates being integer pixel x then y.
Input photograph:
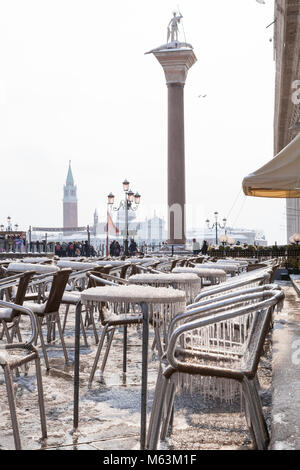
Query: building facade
{"type": "Point", "coordinates": [70, 211]}
{"type": "Point", "coordinates": [287, 89]}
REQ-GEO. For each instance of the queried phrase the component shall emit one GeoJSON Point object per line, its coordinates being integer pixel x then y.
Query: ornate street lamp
{"type": "Point", "coordinates": [296, 238]}
{"type": "Point", "coordinates": [111, 198]}
{"type": "Point", "coordinates": [223, 239]}
{"type": "Point", "coordinates": [216, 225]}
{"type": "Point", "coordinates": [231, 241]}
{"type": "Point", "coordinates": [131, 202]}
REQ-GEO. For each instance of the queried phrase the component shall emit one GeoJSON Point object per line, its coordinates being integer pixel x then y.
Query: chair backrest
{"type": "Point", "coordinates": [101, 279]}
{"type": "Point", "coordinates": [251, 313]}
{"type": "Point", "coordinates": [60, 279]}
{"type": "Point", "coordinates": [22, 287]}
{"type": "Point", "coordinates": [124, 270]}
{"type": "Point", "coordinates": [260, 277]}
{"type": "Point", "coordinates": [92, 282]}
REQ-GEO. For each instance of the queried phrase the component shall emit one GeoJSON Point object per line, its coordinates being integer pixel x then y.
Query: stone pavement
{"type": "Point", "coordinates": [285, 429]}
{"type": "Point", "coordinates": [109, 411]}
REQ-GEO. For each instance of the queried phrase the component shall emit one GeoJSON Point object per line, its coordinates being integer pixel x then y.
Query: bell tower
{"type": "Point", "coordinates": [70, 217]}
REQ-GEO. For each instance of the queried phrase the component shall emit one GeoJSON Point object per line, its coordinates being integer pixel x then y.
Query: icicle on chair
{"type": "Point", "coordinates": [222, 364]}
{"type": "Point", "coordinates": [124, 309]}
{"type": "Point", "coordinates": [109, 323]}
{"type": "Point", "coordinates": [10, 362]}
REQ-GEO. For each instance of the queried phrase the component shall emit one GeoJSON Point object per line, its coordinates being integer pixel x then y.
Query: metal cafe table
{"type": "Point", "coordinates": [131, 299]}
{"type": "Point", "coordinates": [188, 282]}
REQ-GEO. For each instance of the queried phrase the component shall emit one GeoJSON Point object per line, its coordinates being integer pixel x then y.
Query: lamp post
{"type": "Point", "coordinates": [223, 239]}
{"type": "Point", "coordinates": [216, 225]}
{"type": "Point", "coordinates": [8, 224]}
{"type": "Point", "coordinates": [296, 238]}
{"type": "Point", "coordinates": [231, 241]}
{"type": "Point", "coordinates": [130, 202]}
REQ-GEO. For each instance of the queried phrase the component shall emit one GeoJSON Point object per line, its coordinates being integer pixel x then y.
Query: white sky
{"type": "Point", "coordinates": [75, 84]}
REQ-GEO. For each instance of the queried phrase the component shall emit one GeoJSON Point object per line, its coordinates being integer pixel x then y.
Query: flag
{"type": "Point", "coordinates": [111, 224]}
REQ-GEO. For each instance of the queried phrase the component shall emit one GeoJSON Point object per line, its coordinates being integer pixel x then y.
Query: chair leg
{"type": "Point", "coordinates": [96, 360]}
{"type": "Point", "coordinates": [157, 413]}
{"type": "Point", "coordinates": [107, 350]}
{"type": "Point", "coordinates": [6, 331]}
{"type": "Point", "coordinates": [94, 328]}
{"type": "Point", "coordinates": [157, 341]}
{"type": "Point", "coordinates": [17, 331]}
{"type": "Point", "coordinates": [156, 397]}
{"type": "Point", "coordinates": [83, 331]}
{"type": "Point", "coordinates": [90, 320]}
{"type": "Point", "coordinates": [12, 406]}
{"type": "Point", "coordinates": [40, 332]}
{"type": "Point", "coordinates": [2, 332]}
{"type": "Point", "coordinates": [259, 437]}
{"type": "Point", "coordinates": [62, 338]}
{"type": "Point", "coordinates": [260, 414]}
{"type": "Point", "coordinates": [170, 401]}
{"type": "Point", "coordinates": [125, 349]}
{"type": "Point", "coordinates": [41, 397]}
{"type": "Point", "coordinates": [65, 318]}
{"type": "Point", "coordinates": [248, 421]}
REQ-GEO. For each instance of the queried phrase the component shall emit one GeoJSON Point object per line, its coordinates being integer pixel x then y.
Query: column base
{"type": "Point", "coordinates": [175, 247]}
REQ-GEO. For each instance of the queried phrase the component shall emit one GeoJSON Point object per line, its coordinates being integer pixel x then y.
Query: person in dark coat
{"type": "Point", "coordinates": [112, 248]}
{"type": "Point", "coordinates": [204, 247]}
{"type": "Point", "coordinates": [132, 247]}
{"type": "Point", "coordinates": [117, 248]}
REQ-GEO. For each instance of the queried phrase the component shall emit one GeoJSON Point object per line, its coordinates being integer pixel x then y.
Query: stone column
{"type": "Point", "coordinates": [176, 63]}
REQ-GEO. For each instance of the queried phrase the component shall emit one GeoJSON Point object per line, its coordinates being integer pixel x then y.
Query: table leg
{"type": "Point", "coordinates": [145, 340]}
{"type": "Point", "coordinates": [76, 365]}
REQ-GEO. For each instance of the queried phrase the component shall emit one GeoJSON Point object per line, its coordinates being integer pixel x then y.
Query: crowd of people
{"type": "Point", "coordinates": [115, 249]}
{"type": "Point", "coordinates": [196, 247]}
{"type": "Point", "coordinates": [12, 242]}
{"type": "Point", "coordinates": [74, 249]}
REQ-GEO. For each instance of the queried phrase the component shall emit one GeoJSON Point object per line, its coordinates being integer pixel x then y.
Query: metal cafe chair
{"type": "Point", "coordinates": [9, 318]}
{"type": "Point", "coordinates": [10, 360]}
{"type": "Point", "coordinates": [110, 321]}
{"type": "Point", "coordinates": [49, 311]}
{"type": "Point", "coordinates": [209, 359]}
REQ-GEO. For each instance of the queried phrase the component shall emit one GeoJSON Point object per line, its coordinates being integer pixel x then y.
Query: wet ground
{"type": "Point", "coordinates": [285, 433]}
{"type": "Point", "coordinates": [109, 411]}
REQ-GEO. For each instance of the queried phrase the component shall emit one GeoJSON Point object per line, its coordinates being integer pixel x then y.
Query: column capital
{"type": "Point", "coordinates": [176, 63]}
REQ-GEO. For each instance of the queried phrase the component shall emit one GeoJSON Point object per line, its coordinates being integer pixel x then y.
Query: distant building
{"type": "Point", "coordinates": [152, 230]}
{"type": "Point", "coordinates": [148, 231]}
{"type": "Point", "coordinates": [70, 212]}
{"type": "Point", "coordinates": [96, 221]}
{"type": "Point", "coordinates": [249, 236]}
{"type": "Point", "coordinates": [287, 102]}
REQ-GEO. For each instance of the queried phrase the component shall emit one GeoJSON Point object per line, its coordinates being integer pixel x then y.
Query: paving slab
{"type": "Point", "coordinates": [285, 415]}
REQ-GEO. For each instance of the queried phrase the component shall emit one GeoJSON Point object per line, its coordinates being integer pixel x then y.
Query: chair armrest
{"type": "Point", "coordinates": [274, 297]}
{"type": "Point", "coordinates": [25, 311]}
{"type": "Point", "coordinates": [101, 280]}
{"type": "Point", "coordinates": [204, 308]}
{"type": "Point", "coordinates": [262, 277]}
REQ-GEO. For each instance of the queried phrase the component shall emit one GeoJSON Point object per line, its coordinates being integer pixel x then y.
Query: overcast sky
{"type": "Point", "coordinates": [75, 85]}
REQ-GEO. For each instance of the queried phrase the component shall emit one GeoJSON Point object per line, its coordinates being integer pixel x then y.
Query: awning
{"type": "Point", "coordinates": [280, 177]}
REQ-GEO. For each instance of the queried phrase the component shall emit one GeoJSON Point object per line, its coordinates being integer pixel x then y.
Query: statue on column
{"type": "Point", "coordinates": [173, 27]}
{"type": "Point", "coordinates": [172, 39]}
